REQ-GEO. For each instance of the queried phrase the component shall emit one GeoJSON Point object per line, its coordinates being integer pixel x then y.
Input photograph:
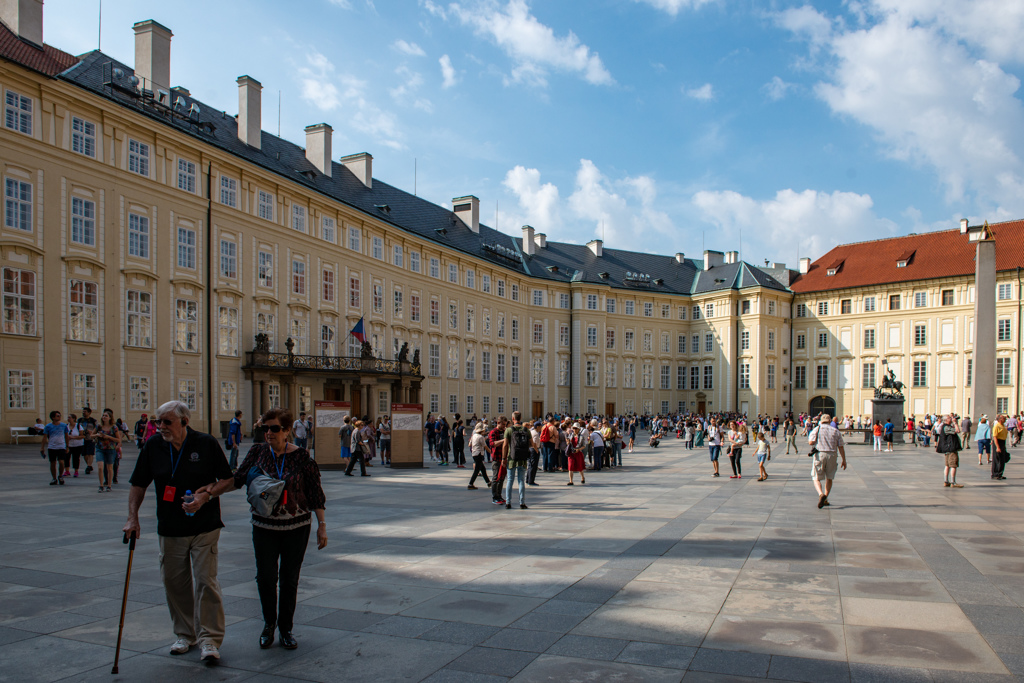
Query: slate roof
{"type": "Point", "coordinates": [415, 214]}
{"type": "Point", "coordinates": [930, 255]}
{"type": "Point", "coordinates": [44, 59]}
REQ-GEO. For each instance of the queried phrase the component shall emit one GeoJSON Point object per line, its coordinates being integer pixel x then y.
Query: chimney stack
{"type": "Point", "coordinates": [250, 126]}
{"type": "Point", "coordinates": [24, 17]}
{"type": "Point", "coordinates": [805, 265]}
{"type": "Point", "coordinates": [963, 226]}
{"type": "Point", "coordinates": [680, 258]}
{"type": "Point", "coordinates": [467, 209]}
{"type": "Point", "coordinates": [529, 246]}
{"type": "Point", "coordinates": [541, 239]}
{"type": "Point", "coordinates": [361, 165]}
{"type": "Point", "coordinates": [318, 147]}
{"type": "Point", "coordinates": [596, 246]}
{"type": "Point", "coordinates": [152, 54]}
{"type": "Point", "coordinates": [712, 259]}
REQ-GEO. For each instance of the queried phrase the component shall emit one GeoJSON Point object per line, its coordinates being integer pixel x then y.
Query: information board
{"type": "Point", "coordinates": [406, 435]}
{"type": "Point", "coordinates": [328, 419]}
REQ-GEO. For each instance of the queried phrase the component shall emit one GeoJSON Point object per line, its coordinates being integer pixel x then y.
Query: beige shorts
{"type": "Point", "coordinates": [824, 465]}
{"type": "Point", "coordinates": [952, 459]}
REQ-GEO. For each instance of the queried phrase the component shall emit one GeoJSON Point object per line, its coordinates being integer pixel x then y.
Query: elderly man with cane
{"type": "Point", "coordinates": [826, 442]}
{"type": "Point", "coordinates": [188, 525]}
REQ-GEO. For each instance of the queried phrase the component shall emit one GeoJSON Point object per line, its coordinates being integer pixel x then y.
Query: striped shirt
{"type": "Point", "coordinates": [826, 437]}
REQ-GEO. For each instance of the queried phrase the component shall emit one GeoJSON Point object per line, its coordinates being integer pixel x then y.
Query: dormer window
{"type": "Point", "coordinates": [832, 271]}
{"type": "Point", "coordinates": [834, 267]}
{"type": "Point", "coordinates": [904, 259]}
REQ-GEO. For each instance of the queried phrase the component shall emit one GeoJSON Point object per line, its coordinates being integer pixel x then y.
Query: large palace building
{"type": "Point", "coordinates": [189, 254]}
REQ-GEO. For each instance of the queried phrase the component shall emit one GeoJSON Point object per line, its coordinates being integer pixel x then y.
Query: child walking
{"type": "Point", "coordinates": [764, 453]}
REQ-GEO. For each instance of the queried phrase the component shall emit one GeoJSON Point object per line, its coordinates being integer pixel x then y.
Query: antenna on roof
{"type": "Point", "coordinates": [415, 176]}
{"type": "Point", "coordinates": [278, 113]}
{"type": "Point", "coordinates": [99, 30]}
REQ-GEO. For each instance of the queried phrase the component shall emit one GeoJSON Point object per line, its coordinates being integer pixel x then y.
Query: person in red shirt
{"type": "Point", "coordinates": [877, 432]}
{"type": "Point", "coordinates": [496, 442]}
{"type": "Point", "coordinates": [548, 440]}
{"type": "Point", "coordinates": [912, 430]}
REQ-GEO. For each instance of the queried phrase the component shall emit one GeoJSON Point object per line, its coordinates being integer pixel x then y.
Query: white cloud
{"type": "Point", "coordinates": [327, 91]}
{"type": "Point", "coordinates": [621, 211]}
{"type": "Point", "coordinates": [447, 72]}
{"type": "Point", "coordinates": [434, 9]}
{"type": "Point", "coordinates": [810, 221]}
{"type": "Point", "coordinates": [405, 92]}
{"type": "Point", "coordinates": [344, 4]}
{"type": "Point", "coordinates": [539, 203]}
{"type": "Point", "coordinates": [914, 76]}
{"type": "Point", "coordinates": [704, 93]}
{"type": "Point", "coordinates": [411, 49]}
{"type": "Point", "coordinates": [673, 7]}
{"type": "Point", "coordinates": [531, 45]}
{"type": "Point", "coordinates": [776, 88]}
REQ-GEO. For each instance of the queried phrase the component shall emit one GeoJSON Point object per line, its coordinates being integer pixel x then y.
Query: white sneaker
{"type": "Point", "coordinates": [181, 646]}
{"type": "Point", "coordinates": [209, 653]}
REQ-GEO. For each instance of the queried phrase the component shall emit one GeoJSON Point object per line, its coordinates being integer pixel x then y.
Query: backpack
{"type": "Point", "coordinates": [521, 444]}
{"type": "Point", "coordinates": [263, 492]}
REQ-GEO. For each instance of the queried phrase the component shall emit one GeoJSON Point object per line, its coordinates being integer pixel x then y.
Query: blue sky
{"type": "Point", "coordinates": [776, 128]}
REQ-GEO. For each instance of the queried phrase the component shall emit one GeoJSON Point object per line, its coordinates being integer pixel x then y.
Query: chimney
{"type": "Point", "coordinates": [712, 259]}
{"type": "Point", "coordinates": [776, 265]}
{"type": "Point", "coordinates": [734, 257]}
{"type": "Point", "coordinates": [529, 246]}
{"type": "Point", "coordinates": [963, 226]}
{"type": "Point", "coordinates": [318, 147]}
{"type": "Point", "coordinates": [250, 127]}
{"type": "Point", "coordinates": [596, 246]}
{"type": "Point", "coordinates": [680, 258]}
{"type": "Point", "coordinates": [152, 54]}
{"type": "Point", "coordinates": [361, 165]}
{"type": "Point", "coordinates": [467, 209]}
{"type": "Point", "coordinates": [805, 265]}
{"type": "Point", "coordinates": [24, 17]}
{"type": "Point", "coordinates": [541, 239]}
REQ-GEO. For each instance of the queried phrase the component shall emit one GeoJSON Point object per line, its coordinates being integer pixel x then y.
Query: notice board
{"type": "Point", "coordinates": [328, 419]}
{"type": "Point", "coordinates": [406, 435]}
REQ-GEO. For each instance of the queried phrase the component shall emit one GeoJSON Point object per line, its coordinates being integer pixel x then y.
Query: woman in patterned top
{"type": "Point", "coordinates": [281, 538]}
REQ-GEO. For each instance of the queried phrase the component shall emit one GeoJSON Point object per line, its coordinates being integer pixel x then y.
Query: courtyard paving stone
{"type": "Point", "coordinates": [653, 572]}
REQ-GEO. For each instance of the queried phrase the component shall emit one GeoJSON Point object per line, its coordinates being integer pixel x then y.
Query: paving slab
{"type": "Point", "coordinates": [654, 571]}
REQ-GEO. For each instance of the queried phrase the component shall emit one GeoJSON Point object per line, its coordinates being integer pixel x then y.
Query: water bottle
{"type": "Point", "coordinates": [188, 499]}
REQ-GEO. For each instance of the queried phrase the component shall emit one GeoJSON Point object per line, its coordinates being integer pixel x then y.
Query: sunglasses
{"type": "Point", "coordinates": [165, 422]}
{"type": "Point", "coordinates": [274, 429]}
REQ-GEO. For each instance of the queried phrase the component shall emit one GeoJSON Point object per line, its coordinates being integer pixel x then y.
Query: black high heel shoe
{"type": "Point", "coordinates": [267, 637]}
{"type": "Point", "coordinates": [288, 641]}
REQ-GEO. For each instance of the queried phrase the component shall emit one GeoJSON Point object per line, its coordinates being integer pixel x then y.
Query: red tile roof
{"type": "Point", "coordinates": [931, 255]}
{"type": "Point", "coordinates": [46, 60]}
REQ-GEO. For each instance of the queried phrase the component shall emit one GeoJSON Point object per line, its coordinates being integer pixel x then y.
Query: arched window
{"type": "Point", "coordinates": [822, 404]}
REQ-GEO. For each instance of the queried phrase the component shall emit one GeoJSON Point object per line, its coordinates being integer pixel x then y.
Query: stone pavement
{"type": "Point", "coordinates": [655, 572]}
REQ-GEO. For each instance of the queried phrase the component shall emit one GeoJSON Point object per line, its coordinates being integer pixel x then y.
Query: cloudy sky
{"type": "Point", "coordinates": [777, 128]}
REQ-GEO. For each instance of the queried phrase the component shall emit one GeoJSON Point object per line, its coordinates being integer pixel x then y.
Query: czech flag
{"type": "Point", "coordinates": [357, 332]}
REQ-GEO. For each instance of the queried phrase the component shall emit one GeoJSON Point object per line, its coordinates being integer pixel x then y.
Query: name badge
{"type": "Point", "coordinates": [169, 494]}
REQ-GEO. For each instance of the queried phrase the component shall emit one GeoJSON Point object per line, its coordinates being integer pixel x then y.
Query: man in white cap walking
{"type": "Point", "coordinates": [828, 442]}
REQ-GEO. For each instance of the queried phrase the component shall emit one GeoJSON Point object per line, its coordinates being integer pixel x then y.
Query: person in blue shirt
{"type": "Point", "coordinates": [235, 439]}
{"type": "Point", "coordinates": [55, 445]}
{"type": "Point", "coordinates": [887, 432]}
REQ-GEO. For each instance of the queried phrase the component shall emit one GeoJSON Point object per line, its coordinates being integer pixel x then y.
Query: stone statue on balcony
{"type": "Point", "coordinates": [403, 353]}
{"type": "Point", "coordinates": [366, 351]}
{"type": "Point", "coordinates": [262, 343]}
{"type": "Point", "coordinates": [416, 357]}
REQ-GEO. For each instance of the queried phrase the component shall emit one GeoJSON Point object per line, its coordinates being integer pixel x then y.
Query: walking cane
{"type": "Point", "coordinates": [124, 600]}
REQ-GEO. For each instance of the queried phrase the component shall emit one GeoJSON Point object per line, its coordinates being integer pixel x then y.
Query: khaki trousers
{"type": "Point", "coordinates": [199, 611]}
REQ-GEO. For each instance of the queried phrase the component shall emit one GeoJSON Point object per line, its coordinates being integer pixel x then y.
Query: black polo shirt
{"type": "Point", "coordinates": [200, 462]}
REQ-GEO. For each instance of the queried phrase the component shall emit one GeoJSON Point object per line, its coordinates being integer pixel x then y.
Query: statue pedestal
{"type": "Point", "coordinates": [883, 409]}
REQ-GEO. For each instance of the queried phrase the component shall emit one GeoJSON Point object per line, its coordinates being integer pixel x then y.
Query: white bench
{"type": "Point", "coordinates": [18, 433]}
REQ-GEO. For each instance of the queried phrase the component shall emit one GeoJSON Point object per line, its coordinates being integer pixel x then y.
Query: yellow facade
{"type": "Point", "coordinates": [110, 223]}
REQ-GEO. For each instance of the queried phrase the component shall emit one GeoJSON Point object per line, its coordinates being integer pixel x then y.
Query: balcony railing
{"type": "Point", "coordinates": [265, 360]}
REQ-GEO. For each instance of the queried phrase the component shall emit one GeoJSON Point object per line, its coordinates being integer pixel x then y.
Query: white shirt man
{"type": "Point", "coordinates": [824, 465]}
